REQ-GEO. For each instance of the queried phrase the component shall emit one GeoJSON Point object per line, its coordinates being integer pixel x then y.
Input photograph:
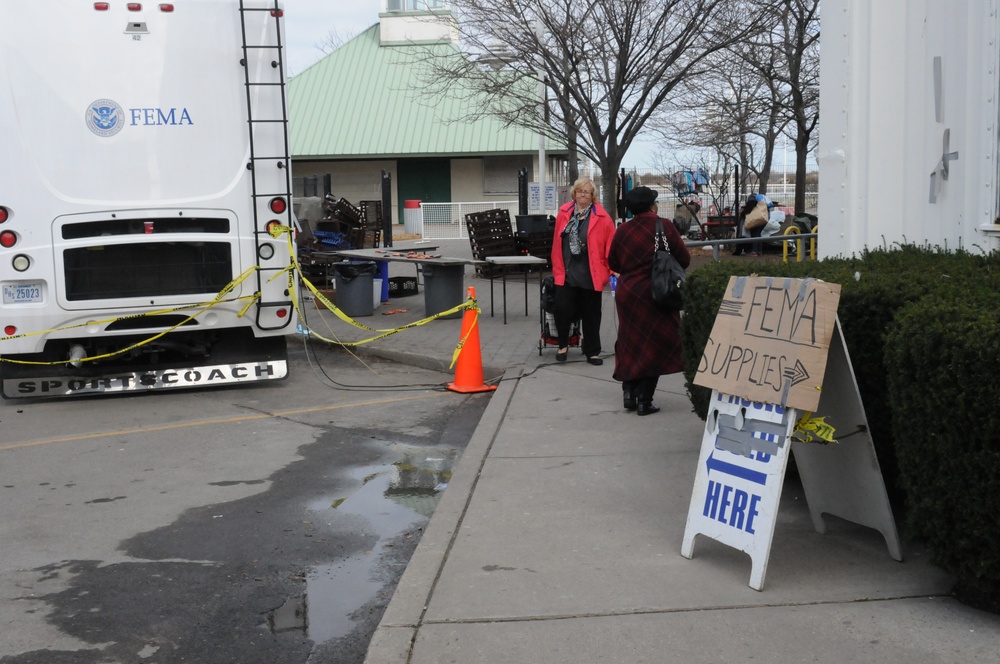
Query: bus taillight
{"type": "Point", "coordinates": [135, 6]}
{"type": "Point", "coordinates": [102, 6]}
{"type": "Point", "coordinates": [272, 227]}
{"type": "Point", "coordinates": [8, 239]}
{"type": "Point", "coordinates": [9, 330]}
{"type": "Point", "coordinates": [278, 205]}
{"type": "Point", "coordinates": [166, 8]}
{"type": "Point", "coordinates": [4, 214]}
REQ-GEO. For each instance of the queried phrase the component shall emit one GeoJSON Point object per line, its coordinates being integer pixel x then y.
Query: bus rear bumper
{"type": "Point", "coordinates": [266, 359]}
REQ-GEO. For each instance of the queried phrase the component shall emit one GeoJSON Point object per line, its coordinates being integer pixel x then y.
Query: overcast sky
{"type": "Point", "coordinates": [309, 22]}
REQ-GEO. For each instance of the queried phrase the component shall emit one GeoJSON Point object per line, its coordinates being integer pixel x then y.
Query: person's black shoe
{"type": "Point", "coordinates": [628, 395]}
{"type": "Point", "coordinates": [596, 361]}
{"type": "Point", "coordinates": [561, 355]}
{"type": "Point", "coordinates": [646, 409]}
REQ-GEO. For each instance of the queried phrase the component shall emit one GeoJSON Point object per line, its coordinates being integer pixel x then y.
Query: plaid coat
{"type": "Point", "coordinates": [649, 341]}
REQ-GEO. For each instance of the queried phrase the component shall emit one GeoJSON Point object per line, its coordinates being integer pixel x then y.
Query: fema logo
{"type": "Point", "coordinates": [105, 117]}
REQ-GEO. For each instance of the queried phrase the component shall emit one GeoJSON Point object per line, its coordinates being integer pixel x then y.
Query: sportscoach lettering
{"type": "Point", "coordinates": [158, 117]}
{"type": "Point", "coordinates": [151, 380]}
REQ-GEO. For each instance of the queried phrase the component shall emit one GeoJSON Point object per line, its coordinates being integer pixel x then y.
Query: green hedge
{"type": "Point", "coordinates": [880, 291]}
{"type": "Point", "coordinates": [942, 359]}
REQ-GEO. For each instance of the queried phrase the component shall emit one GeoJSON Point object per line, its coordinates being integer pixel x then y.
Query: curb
{"type": "Point", "coordinates": [397, 632]}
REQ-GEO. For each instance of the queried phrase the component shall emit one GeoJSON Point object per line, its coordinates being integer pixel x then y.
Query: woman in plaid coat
{"type": "Point", "coordinates": [649, 341]}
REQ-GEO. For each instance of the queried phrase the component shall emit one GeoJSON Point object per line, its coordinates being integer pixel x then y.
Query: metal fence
{"type": "Point", "coordinates": [718, 194]}
{"type": "Point", "coordinates": [668, 200]}
{"type": "Point", "coordinates": [794, 243]}
{"type": "Point", "coordinates": [446, 221]}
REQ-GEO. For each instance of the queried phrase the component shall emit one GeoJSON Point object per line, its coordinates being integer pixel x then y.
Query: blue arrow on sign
{"type": "Point", "coordinates": [754, 476]}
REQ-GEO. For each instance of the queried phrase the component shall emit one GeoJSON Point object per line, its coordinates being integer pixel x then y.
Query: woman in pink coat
{"type": "Point", "coordinates": [580, 269]}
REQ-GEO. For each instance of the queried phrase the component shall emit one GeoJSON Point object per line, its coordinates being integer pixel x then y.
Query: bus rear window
{"type": "Point", "coordinates": [144, 226]}
{"type": "Point", "coordinates": [149, 269]}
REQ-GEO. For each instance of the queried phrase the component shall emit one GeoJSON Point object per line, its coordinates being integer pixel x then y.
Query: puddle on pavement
{"type": "Point", "coordinates": [392, 499]}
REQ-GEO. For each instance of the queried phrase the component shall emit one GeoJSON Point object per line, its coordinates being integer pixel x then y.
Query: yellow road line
{"type": "Point", "coordinates": [198, 423]}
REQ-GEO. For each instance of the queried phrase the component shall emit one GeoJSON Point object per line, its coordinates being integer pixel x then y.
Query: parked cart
{"type": "Point", "coordinates": [549, 336]}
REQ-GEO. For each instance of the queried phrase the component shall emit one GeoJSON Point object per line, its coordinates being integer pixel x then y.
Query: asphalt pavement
{"type": "Point", "coordinates": [558, 539]}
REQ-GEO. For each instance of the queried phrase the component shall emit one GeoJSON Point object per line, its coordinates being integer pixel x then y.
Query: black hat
{"type": "Point", "coordinates": [640, 199]}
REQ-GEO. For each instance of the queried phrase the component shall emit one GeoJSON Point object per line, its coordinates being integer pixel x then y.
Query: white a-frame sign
{"type": "Point", "coordinates": [776, 354]}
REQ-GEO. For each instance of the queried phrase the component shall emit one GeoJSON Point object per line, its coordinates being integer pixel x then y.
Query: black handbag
{"type": "Point", "coordinates": [668, 275]}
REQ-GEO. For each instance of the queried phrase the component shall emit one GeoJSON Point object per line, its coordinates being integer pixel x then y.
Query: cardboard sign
{"type": "Point", "coordinates": [770, 340]}
{"type": "Point", "coordinates": [744, 454]}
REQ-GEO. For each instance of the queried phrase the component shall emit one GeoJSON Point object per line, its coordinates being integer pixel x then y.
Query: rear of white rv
{"type": "Point", "coordinates": [145, 162]}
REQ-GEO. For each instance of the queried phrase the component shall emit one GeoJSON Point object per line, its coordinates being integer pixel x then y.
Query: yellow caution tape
{"type": "Point", "coordinates": [461, 342]}
{"type": "Point", "coordinates": [290, 272]}
{"type": "Point", "coordinates": [386, 332]}
{"type": "Point", "coordinates": [811, 429]}
{"type": "Point", "coordinates": [202, 308]}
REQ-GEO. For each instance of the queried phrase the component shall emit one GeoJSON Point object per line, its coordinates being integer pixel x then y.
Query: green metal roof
{"type": "Point", "coordinates": [360, 101]}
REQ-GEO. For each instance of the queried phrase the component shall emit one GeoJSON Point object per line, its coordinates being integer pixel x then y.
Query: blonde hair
{"type": "Point", "coordinates": [580, 184]}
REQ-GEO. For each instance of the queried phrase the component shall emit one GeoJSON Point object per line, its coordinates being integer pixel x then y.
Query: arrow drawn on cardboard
{"type": "Point", "coordinates": [796, 374]}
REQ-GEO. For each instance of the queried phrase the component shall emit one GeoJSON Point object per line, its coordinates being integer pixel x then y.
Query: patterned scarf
{"type": "Point", "coordinates": [576, 245]}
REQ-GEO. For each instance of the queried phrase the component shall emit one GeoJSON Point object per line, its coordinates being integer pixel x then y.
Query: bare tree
{"type": "Point", "coordinates": [731, 111]}
{"type": "Point", "coordinates": [799, 20]}
{"type": "Point", "coordinates": [334, 39]}
{"type": "Point", "coordinates": [605, 66]}
{"type": "Point", "coordinates": [757, 90]}
{"type": "Point", "coordinates": [773, 101]}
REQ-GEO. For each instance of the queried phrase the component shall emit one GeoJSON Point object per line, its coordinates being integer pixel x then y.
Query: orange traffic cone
{"type": "Point", "coordinates": [469, 368]}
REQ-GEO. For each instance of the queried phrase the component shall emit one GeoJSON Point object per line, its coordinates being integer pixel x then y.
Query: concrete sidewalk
{"type": "Point", "coordinates": [558, 539]}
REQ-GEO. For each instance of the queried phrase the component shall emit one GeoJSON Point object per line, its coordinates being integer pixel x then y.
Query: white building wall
{"type": "Point", "coordinates": [881, 135]}
{"type": "Point", "coordinates": [467, 180]}
{"type": "Point", "coordinates": [418, 26]}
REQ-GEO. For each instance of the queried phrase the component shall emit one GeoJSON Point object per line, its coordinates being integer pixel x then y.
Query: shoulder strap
{"type": "Point", "coordinates": [659, 239]}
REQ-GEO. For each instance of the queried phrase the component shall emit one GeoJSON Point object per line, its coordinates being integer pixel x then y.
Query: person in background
{"type": "Point", "coordinates": [685, 213]}
{"type": "Point", "coordinates": [755, 248]}
{"type": "Point", "coordinates": [776, 219]}
{"type": "Point", "coordinates": [580, 269]}
{"type": "Point", "coordinates": [649, 340]}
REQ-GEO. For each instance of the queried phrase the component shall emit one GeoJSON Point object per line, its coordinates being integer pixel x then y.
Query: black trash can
{"type": "Point", "coordinates": [355, 283]}
{"type": "Point", "coordinates": [444, 288]}
{"type": "Point", "coordinates": [532, 223]}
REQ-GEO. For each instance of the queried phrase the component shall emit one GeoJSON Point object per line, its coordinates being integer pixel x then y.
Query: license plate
{"type": "Point", "coordinates": [22, 293]}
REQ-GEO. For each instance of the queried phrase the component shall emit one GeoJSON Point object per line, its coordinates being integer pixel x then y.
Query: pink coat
{"type": "Point", "coordinates": [600, 230]}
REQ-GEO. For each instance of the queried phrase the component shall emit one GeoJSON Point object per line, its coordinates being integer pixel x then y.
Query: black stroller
{"type": "Point", "coordinates": [549, 336]}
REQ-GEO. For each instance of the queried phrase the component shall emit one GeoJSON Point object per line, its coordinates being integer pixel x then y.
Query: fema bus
{"type": "Point", "coordinates": [144, 196]}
